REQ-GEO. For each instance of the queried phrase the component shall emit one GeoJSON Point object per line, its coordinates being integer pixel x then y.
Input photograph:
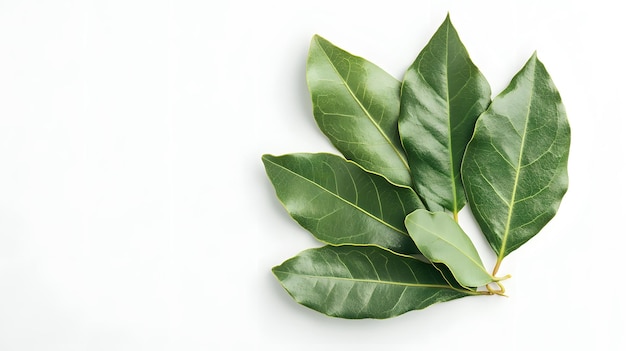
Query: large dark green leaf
{"type": "Point", "coordinates": [363, 282]}
{"type": "Point", "coordinates": [441, 240]}
{"type": "Point", "coordinates": [515, 167]}
{"type": "Point", "coordinates": [340, 203]}
{"type": "Point", "coordinates": [442, 95]}
{"type": "Point", "coordinates": [356, 104]}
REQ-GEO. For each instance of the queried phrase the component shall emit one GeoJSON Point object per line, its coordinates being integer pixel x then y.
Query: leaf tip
{"type": "Point", "coordinates": [267, 158]}
{"type": "Point", "coordinates": [533, 62]}
{"type": "Point", "coordinates": [318, 39]}
{"type": "Point", "coordinates": [446, 21]}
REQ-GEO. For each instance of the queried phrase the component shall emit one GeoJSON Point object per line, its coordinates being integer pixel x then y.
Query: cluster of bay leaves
{"type": "Point", "coordinates": [415, 152]}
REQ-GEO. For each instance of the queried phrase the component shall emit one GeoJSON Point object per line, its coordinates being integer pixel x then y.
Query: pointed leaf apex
{"type": "Point", "coordinates": [321, 41]}
{"type": "Point", "coordinates": [447, 26]}
{"type": "Point", "coordinates": [532, 62]}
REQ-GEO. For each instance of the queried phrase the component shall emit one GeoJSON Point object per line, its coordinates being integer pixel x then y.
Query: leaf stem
{"type": "Point", "coordinates": [496, 267]}
{"type": "Point", "coordinates": [499, 279]}
{"type": "Point", "coordinates": [501, 290]}
{"type": "Point", "coordinates": [455, 214]}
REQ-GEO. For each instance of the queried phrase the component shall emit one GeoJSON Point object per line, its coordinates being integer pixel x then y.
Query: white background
{"type": "Point", "coordinates": [135, 213]}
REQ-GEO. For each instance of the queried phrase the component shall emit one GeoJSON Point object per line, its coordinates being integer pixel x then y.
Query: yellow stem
{"type": "Point", "coordinates": [500, 292]}
{"type": "Point", "coordinates": [495, 269]}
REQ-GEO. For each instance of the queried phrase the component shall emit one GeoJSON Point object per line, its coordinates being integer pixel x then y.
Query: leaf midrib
{"type": "Point", "coordinates": [341, 198]}
{"type": "Point", "coordinates": [507, 227]}
{"type": "Point", "coordinates": [361, 280]}
{"type": "Point", "coordinates": [369, 116]}
{"type": "Point", "coordinates": [455, 200]}
{"type": "Point", "coordinates": [451, 157]}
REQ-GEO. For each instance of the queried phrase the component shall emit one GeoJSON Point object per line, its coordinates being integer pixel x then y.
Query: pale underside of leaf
{"type": "Point", "coordinates": [363, 282]}
{"type": "Point", "coordinates": [441, 240]}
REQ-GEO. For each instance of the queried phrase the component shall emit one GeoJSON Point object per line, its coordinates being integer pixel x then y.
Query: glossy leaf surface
{"type": "Point", "coordinates": [443, 93]}
{"type": "Point", "coordinates": [362, 282]}
{"type": "Point", "coordinates": [515, 167]}
{"type": "Point", "coordinates": [356, 105]}
{"type": "Point", "coordinates": [340, 203]}
{"type": "Point", "coordinates": [442, 240]}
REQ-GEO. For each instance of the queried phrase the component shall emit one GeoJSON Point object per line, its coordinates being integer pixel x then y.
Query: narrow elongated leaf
{"type": "Point", "coordinates": [441, 240]}
{"type": "Point", "coordinates": [443, 93]}
{"type": "Point", "coordinates": [515, 166]}
{"type": "Point", "coordinates": [362, 282]}
{"type": "Point", "coordinates": [356, 105]}
{"type": "Point", "coordinates": [340, 203]}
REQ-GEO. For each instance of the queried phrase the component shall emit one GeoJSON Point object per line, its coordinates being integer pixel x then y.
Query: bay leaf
{"type": "Point", "coordinates": [515, 166]}
{"type": "Point", "coordinates": [363, 282]}
{"type": "Point", "coordinates": [356, 105]}
{"type": "Point", "coordinates": [440, 239]}
{"type": "Point", "coordinates": [340, 203]}
{"type": "Point", "coordinates": [443, 93]}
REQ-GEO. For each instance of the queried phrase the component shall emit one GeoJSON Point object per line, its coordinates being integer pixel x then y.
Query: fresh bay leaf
{"type": "Point", "coordinates": [441, 240]}
{"type": "Point", "coordinates": [356, 105]}
{"type": "Point", "coordinates": [515, 166]}
{"type": "Point", "coordinates": [363, 282]}
{"type": "Point", "coordinates": [340, 203]}
{"type": "Point", "coordinates": [443, 93]}
{"type": "Point", "coordinates": [449, 277]}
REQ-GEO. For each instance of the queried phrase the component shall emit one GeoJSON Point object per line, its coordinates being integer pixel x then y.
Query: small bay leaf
{"type": "Point", "coordinates": [441, 240]}
{"type": "Point", "coordinates": [443, 93]}
{"type": "Point", "coordinates": [363, 282]}
{"type": "Point", "coordinates": [340, 203]}
{"type": "Point", "coordinates": [515, 166]}
{"type": "Point", "coordinates": [356, 105]}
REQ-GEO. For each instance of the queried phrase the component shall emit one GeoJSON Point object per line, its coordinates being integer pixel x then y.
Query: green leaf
{"type": "Point", "coordinates": [362, 282]}
{"type": "Point", "coordinates": [356, 105]}
{"type": "Point", "coordinates": [441, 240]}
{"type": "Point", "coordinates": [443, 93]}
{"type": "Point", "coordinates": [340, 203]}
{"type": "Point", "coordinates": [515, 166]}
